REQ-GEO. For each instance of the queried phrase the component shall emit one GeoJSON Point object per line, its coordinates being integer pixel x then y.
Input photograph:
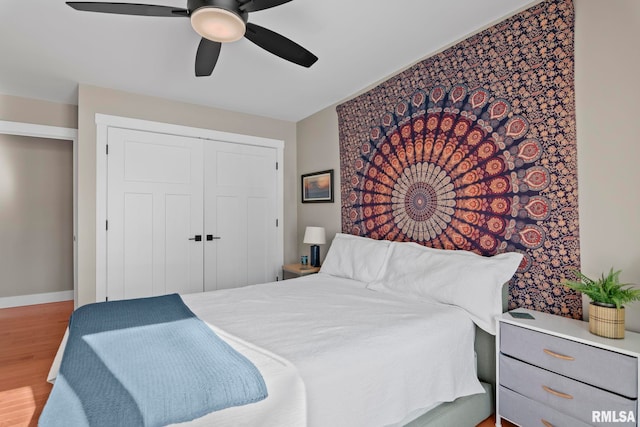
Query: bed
{"type": "Point", "coordinates": [383, 336]}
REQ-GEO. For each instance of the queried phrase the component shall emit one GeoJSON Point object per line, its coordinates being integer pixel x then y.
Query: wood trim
{"type": "Point", "coordinates": [40, 131]}
{"type": "Point", "coordinates": [22, 300]}
{"type": "Point", "coordinates": [180, 130]}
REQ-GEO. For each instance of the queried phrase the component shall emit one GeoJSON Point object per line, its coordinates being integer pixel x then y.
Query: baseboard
{"type": "Point", "coordinates": [21, 300]}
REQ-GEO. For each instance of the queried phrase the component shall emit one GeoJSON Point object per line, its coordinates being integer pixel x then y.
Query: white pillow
{"type": "Point", "coordinates": [470, 281]}
{"type": "Point", "coordinates": [355, 257]}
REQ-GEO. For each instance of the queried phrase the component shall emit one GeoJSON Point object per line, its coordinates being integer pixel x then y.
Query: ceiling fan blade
{"type": "Point", "coordinates": [280, 45]}
{"type": "Point", "coordinates": [129, 9]}
{"type": "Point", "coordinates": [255, 5]}
{"type": "Point", "coordinates": [207, 56]}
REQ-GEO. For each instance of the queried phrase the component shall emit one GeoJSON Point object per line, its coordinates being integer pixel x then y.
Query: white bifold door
{"type": "Point", "coordinates": [187, 215]}
{"type": "Point", "coordinates": [240, 214]}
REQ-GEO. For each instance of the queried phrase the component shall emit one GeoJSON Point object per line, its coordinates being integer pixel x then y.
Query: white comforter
{"type": "Point", "coordinates": [366, 358]}
{"type": "Point", "coordinates": [338, 354]}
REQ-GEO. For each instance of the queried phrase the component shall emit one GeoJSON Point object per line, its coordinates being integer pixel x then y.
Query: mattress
{"type": "Point", "coordinates": [366, 358]}
{"type": "Point", "coordinates": [333, 352]}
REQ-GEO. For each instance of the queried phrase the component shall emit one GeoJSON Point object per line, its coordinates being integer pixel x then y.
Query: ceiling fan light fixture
{"type": "Point", "coordinates": [217, 24]}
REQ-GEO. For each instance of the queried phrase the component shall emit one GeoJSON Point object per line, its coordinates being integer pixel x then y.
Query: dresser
{"type": "Point", "coordinates": [552, 372]}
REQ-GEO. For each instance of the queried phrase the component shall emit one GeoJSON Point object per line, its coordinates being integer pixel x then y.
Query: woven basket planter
{"type": "Point", "coordinates": [606, 322]}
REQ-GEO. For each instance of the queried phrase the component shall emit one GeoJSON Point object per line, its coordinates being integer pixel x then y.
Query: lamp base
{"type": "Point", "coordinates": [314, 259]}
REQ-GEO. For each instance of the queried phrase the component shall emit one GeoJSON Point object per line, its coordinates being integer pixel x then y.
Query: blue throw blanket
{"type": "Point", "coordinates": [146, 362]}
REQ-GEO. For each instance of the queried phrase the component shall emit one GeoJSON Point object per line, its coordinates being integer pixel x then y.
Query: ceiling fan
{"type": "Point", "coordinates": [217, 21]}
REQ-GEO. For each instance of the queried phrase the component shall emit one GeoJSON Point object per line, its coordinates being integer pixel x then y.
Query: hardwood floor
{"type": "Point", "coordinates": [29, 339]}
{"type": "Point", "coordinates": [491, 422]}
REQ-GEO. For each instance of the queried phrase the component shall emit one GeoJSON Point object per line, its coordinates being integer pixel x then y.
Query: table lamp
{"type": "Point", "coordinates": [314, 236]}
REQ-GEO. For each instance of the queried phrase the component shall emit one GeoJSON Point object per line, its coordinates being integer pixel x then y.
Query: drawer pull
{"type": "Point", "coordinates": [557, 393]}
{"type": "Point", "coordinates": [546, 423]}
{"type": "Point", "coordinates": [559, 356]}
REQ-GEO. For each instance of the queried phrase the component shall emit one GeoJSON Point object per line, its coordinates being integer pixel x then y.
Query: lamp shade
{"type": "Point", "coordinates": [314, 236]}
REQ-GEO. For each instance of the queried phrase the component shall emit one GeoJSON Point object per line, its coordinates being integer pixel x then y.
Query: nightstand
{"type": "Point", "coordinates": [298, 270]}
{"type": "Point", "coordinates": [551, 371]}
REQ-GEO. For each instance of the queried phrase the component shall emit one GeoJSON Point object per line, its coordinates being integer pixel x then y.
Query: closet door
{"type": "Point", "coordinates": [240, 215]}
{"type": "Point", "coordinates": [155, 212]}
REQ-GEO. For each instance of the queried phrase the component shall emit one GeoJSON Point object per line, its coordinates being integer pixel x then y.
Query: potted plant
{"type": "Point", "coordinates": [606, 310]}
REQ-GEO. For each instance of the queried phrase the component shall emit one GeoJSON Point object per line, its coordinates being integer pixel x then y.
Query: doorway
{"type": "Point", "coordinates": [38, 203]}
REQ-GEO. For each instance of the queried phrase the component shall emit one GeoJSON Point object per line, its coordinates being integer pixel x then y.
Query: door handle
{"type": "Point", "coordinates": [211, 237]}
{"type": "Point", "coordinates": [197, 238]}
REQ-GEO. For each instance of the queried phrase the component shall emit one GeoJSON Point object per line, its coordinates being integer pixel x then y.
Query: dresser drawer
{"type": "Point", "coordinates": [529, 413]}
{"type": "Point", "coordinates": [568, 396]}
{"type": "Point", "coordinates": [602, 368]}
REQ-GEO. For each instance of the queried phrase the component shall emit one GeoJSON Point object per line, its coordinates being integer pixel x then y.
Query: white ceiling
{"type": "Point", "coordinates": [47, 48]}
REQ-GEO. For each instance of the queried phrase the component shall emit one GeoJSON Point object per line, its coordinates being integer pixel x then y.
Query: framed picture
{"type": "Point", "coordinates": [317, 187]}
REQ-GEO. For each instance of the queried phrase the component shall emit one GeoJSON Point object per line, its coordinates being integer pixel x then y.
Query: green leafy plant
{"type": "Point", "coordinates": [606, 290]}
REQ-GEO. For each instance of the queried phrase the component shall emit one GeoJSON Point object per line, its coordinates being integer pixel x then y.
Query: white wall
{"type": "Point", "coordinates": [607, 61]}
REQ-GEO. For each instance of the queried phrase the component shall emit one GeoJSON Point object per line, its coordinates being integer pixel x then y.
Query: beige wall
{"type": "Point", "coordinates": [92, 100]}
{"type": "Point", "coordinates": [607, 64]}
{"type": "Point", "coordinates": [16, 109]}
{"type": "Point", "coordinates": [318, 151]}
{"type": "Point", "coordinates": [607, 61]}
{"type": "Point", "coordinates": [607, 88]}
{"type": "Point", "coordinates": [36, 215]}
{"type": "Point", "coordinates": [40, 268]}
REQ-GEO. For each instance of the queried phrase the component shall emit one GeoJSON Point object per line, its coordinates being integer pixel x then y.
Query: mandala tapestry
{"type": "Point", "coordinates": [474, 148]}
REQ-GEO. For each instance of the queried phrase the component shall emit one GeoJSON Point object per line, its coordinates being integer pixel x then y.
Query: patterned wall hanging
{"type": "Point", "coordinates": [474, 148]}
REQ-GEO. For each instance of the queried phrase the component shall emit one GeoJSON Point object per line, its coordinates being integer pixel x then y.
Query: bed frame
{"type": "Point", "coordinates": [469, 411]}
